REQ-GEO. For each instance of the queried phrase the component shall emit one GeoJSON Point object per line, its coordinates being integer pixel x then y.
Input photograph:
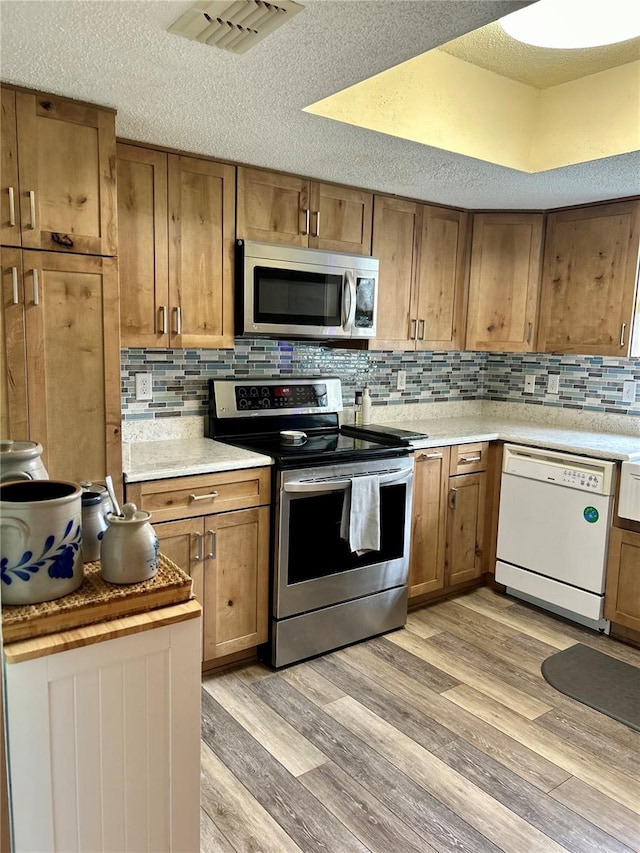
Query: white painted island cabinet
{"type": "Point", "coordinates": [104, 738]}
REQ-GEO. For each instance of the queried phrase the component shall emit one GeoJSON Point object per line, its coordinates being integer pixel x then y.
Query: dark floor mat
{"type": "Point", "coordinates": [595, 679]}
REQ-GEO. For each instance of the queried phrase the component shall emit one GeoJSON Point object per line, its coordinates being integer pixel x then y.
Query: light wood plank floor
{"type": "Point", "coordinates": [440, 736]}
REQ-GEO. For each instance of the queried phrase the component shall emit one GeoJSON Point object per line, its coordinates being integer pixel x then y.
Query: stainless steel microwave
{"type": "Point", "coordinates": [289, 292]}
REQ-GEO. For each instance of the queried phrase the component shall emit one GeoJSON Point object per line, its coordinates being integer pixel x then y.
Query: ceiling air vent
{"type": "Point", "coordinates": [234, 26]}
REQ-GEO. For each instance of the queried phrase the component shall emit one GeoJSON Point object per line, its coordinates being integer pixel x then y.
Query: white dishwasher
{"type": "Point", "coordinates": [553, 531]}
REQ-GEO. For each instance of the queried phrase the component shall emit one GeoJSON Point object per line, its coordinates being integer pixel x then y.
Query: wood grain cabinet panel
{"type": "Point", "coordinates": [429, 515]}
{"type": "Point", "coordinates": [504, 281]}
{"type": "Point", "coordinates": [589, 280]}
{"type": "Point", "coordinates": [465, 528]}
{"type": "Point", "coordinates": [14, 406]}
{"type": "Point", "coordinates": [176, 219]}
{"type": "Point", "coordinates": [64, 199]}
{"type": "Point", "coordinates": [622, 598]}
{"type": "Point", "coordinates": [422, 252]}
{"type": "Point", "coordinates": [294, 211]}
{"type": "Point", "coordinates": [60, 353]}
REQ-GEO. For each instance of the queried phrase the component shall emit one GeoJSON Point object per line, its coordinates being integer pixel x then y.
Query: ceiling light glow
{"type": "Point", "coordinates": [570, 24]}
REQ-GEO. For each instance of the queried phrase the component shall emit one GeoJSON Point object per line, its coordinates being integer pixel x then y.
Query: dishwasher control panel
{"type": "Point", "coordinates": [595, 476]}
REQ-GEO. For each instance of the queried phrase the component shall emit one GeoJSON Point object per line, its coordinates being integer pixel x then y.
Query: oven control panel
{"type": "Point", "coordinates": [289, 396]}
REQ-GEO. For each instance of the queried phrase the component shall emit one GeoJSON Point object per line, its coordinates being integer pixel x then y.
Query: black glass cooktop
{"type": "Point", "coordinates": [319, 449]}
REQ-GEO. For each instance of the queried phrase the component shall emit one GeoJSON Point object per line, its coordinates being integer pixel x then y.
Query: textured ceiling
{"type": "Point", "coordinates": [181, 94]}
{"type": "Point", "coordinates": [491, 48]}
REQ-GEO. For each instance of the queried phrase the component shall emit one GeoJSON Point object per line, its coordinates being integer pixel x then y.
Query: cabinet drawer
{"type": "Point", "coordinates": [468, 458]}
{"type": "Point", "coordinates": [187, 497]}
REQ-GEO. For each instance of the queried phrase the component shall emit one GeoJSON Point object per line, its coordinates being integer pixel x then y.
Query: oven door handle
{"type": "Point", "coordinates": [348, 305]}
{"type": "Point", "coordinates": [332, 484]}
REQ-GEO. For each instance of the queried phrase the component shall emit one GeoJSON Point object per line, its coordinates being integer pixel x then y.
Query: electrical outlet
{"type": "Point", "coordinates": [144, 386]}
{"type": "Point", "coordinates": [628, 391]}
{"type": "Point", "coordinates": [529, 383]}
{"type": "Point", "coordinates": [553, 383]}
{"type": "Point", "coordinates": [402, 380]}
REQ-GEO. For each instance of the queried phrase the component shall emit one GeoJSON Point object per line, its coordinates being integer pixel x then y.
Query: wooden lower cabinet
{"type": "Point", "coordinates": [227, 555]}
{"type": "Point", "coordinates": [622, 598]}
{"type": "Point", "coordinates": [448, 519]}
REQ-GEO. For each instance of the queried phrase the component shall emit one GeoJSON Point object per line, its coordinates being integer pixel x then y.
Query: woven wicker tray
{"type": "Point", "coordinates": [96, 601]}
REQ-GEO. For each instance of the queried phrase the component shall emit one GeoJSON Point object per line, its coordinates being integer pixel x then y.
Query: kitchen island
{"type": "Point", "coordinates": [103, 719]}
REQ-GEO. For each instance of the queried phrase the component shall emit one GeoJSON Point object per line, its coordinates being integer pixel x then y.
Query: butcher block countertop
{"type": "Point", "coordinates": [97, 611]}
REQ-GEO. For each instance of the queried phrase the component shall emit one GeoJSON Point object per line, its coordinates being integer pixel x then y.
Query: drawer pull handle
{"type": "Point", "coordinates": [36, 291]}
{"type": "Point", "coordinates": [431, 456]}
{"type": "Point", "coordinates": [177, 312]}
{"type": "Point", "coordinates": [207, 497]}
{"type": "Point", "coordinates": [623, 329]}
{"type": "Point", "coordinates": [12, 207]}
{"type": "Point", "coordinates": [414, 330]}
{"type": "Point", "coordinates": [307, 216]}
{"type": "Point", "coordinates": [466, 460]}
{"type": "Point", "coordinates": [529, 331]}
{"type": "Point", "coordinates": [200, 555]}
{"type": "Point", "coordinates": [212, 540]}
{"type": "Point", "coordinates": [317, 234]}
{"type": "Point", "coordinates": [14, 285]}
{"type": "Point", "coordinates": [163, 319]}
{"type": "Point", "coordinates": [423, 327]}
{"type": "Point", "coordinates": [452, 498]}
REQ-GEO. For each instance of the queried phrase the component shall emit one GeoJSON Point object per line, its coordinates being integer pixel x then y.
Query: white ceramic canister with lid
{"type": "Point", "coordinates": [40, 540]}
{"type": "Point", "coordinates": [94, 525]}
{"type": "Point", "coordinates": [129, 548]}
{"type": "Point", "coordinates": [21, 460]}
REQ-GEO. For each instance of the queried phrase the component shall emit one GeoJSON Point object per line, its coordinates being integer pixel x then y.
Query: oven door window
{"type": "Point", "coordinates": [296, 297]}
{"type": "Point", "coordinates": [315, 547]}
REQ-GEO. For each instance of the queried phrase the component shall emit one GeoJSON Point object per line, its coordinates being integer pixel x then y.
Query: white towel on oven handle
{"type": "Point", "coordinates": [360, 523]}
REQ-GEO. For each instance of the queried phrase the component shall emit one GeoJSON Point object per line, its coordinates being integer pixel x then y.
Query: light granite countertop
{"type": "Point", "coordinates": [158, 460]}
{"type": "Point", "coordinates": [151, 460]}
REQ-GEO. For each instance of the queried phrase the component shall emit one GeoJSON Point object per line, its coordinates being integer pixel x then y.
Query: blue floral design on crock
{"type": "Point", "coordinates": [59, 559]}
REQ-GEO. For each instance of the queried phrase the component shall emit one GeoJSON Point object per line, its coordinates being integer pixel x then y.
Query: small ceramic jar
{"type": "Point", "coordinates": [21, 460]}
{"type": "Point", "coordinates": [94, 525]}
{"type": "Point", "coordinates": [129, 548]}
{"type": "Point", "coordinates": [107, 505]}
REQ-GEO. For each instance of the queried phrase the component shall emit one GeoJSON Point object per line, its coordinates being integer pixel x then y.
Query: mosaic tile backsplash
{"type": "Point", "coordinates": [593, 383]}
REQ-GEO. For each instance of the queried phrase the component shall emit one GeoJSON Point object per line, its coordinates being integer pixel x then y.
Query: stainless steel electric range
{"type": "Point", "coordinates": [323, 595]}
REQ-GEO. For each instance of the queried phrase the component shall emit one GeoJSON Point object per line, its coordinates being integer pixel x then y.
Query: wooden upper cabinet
{"type": "Point", "coordinates": [440, 278]}
{"type": "Point", "coordinates": [589, 280]}
{"type": "Point", "coordinates": [143, 246]}
{"type": "Point", "coordinates": [504, 281]}
{"type": "Point", "coordinates": [10, 191]}
{"type": "Point", "coordinates": [73, 363]}
{"type": "Point", "coordinates": [65, 196]}
{"type": "Point", "coordinates": [287, 209]}
{"type": "Point", "coordinates": [422, 252]}
{"type": "Point", "coordinates": [176, 219]}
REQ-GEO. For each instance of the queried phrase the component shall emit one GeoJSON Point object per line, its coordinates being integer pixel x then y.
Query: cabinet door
{"type": "Point", "coordinates": [67, 168]}
{"type": "Point", "coordinates": [341, 219]}
{"type": "Point", "coordinates": [465, 528]}
{"type": "Point", "coordinates": [10, 194]}
{"type": "Point", "coordinates": [622, 598]}
{"type": "Point", "coordinates": [73, 363]}
{"type": "Point", "coordinates": [183, 542]}
{"type": "Point", "coordinates": [273, 208]}
{"type": "Point", "coordinates": [395, 232]}
{"type": "Point", "coordinates": [235, 581]}
{"type": "Point", "coordinates": [440, 278]}
{"type": "Point", "coordinates": [589, 279]}
{"type": "Point", "coordinates": [431, 477]}
{"type": "Point", "coordinates": [201, 222]}
{"type": "Point", "coordinates": [143, 247]}
{"type": "Point", "coordinates": [14, 420]}
{"type": "Point", "coordinates": [504, 281]}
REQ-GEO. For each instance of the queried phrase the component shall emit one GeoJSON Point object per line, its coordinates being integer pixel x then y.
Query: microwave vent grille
{"type": "Point", "coordinates": [235, 26]}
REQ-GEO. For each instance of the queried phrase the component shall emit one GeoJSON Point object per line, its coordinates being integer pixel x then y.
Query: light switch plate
{"type": "Point", "coordinates": [628, 391]}
{"type": "Point", "coordinates": [529, 383]}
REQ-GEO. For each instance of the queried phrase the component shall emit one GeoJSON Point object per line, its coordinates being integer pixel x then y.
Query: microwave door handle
{"type": "Point", "coordinates": [349, 313]}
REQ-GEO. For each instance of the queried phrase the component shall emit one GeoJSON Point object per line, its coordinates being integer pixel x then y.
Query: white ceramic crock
{"type": "Point", "coordinates": [21, 460]}
{"type": "Point", "coordinates": [40, 540]}
{"type": "Point", "coordinates": [129, 549]}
